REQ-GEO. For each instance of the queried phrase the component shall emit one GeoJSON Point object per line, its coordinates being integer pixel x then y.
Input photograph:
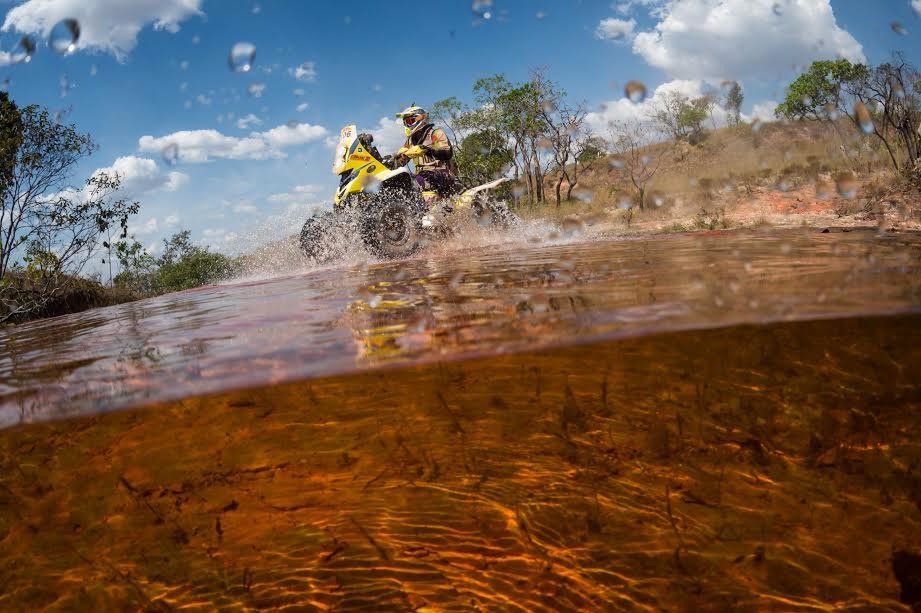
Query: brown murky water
{"type": "Point", "coordinates": [690, 422]}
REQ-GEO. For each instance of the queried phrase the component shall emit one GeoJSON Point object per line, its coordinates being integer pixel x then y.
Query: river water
{"type": "Point", "coordinates": [699, 421]}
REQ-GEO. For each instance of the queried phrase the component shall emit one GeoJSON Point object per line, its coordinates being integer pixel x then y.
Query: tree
{"type": "Point", "coordinates": [53, 227]}
{"type": "Point", "coordinates": [882, 101]}
{"type": "Point", "coordinates": [138, 268]}
{"type": "Point", "coordinates": [733, 103]}
{"type": "Point", "coordinates": [630, 143]}
{"type": "Point", "coordinates": [448, 112]}
{"type": "Point", "coordinates": [184, 265]}
{"type": "Point", "coordinates": [827, 88]}
{"type": "Point", "coordinates": [682, 118]}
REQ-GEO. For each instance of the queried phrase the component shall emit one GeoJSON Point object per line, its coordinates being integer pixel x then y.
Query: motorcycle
{"type": "Point", "coordinates": [379, 200]}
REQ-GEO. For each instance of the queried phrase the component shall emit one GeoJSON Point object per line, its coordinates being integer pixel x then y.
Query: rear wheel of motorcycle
{"type": "Point", "coordinates": [389, 228]}
{"type": "Point", "coordinates": [321, 241]}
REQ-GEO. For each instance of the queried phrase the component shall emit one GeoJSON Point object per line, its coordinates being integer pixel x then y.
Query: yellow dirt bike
{"type": "Point", "coordinates": [379, 201]}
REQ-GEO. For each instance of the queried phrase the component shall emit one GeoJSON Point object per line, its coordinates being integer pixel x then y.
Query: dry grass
{"type": "Point", "coordinates": [743, 176]}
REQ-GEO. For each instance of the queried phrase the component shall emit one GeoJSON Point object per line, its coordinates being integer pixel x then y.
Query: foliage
{"type": "Point", "coordinates": [54, 228]}
{"type": "Point", "coordinates": [681, 117]}
{"type": "Point", "coordinates": [630, 143]}
{"type": "Point", "coordinates": [184, 265]}
{"type": "Point", "coordinates": [733, 103]}
{"type": "Point", "coordinates": [137, 267]}
{"type": "Point", "coordinates": [525, 128]}
{"type": "Point", "coordinates": [882, 100]}
{"type": "Point", "coordinates": [826, 88]}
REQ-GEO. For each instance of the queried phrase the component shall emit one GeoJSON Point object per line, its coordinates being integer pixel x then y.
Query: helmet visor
{"type": "Point", "coordinates": [410, 120]}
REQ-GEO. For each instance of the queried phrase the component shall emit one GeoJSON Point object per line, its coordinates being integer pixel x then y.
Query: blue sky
{"type": "Point", "coordinates": [252, 174]}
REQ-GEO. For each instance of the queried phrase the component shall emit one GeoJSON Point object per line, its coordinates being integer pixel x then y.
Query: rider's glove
{"type": "Point", "coordinates": [414, 151]}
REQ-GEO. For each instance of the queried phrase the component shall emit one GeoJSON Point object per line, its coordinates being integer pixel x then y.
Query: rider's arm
{"type": "Point", "coordinates": [440, 148]}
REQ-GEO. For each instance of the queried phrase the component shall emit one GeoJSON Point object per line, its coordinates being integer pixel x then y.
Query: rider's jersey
{"type": "Point", "coordinates": [441, 154]}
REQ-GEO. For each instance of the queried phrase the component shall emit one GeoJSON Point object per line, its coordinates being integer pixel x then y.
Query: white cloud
{"type": "Point", "coordinates": [388, 135]}
{"type": "Point", "coordinates": [306, 72]}
{"type": "Point", "coordinates": [198, 146]}
{"type": "Point", "coordinates": [245, 206]}
{"type": "Point", "coordinates": [145, 229]}
{"type": "Point", "coordinates": [615, 29]}
{"type": "Point", "coordinates": [303, 105]}
{"type": "Point", "coordinates": [142, 175]}
{"type": "Point", "coordinates": [171, 221]}
{"type": "Point", "coordinates": [916, 6]}
{"type": "Point", "coordinates": [106, 25]}
{"type": "Point", "coordinates": [623, 110]}
{"type": "Point", "coordinates": [299, 194]}
{"type": "Point", "coordinates": [245, 123]}
{"type": "Point", "coordinates": [764, 111]}
{"type": "Point", "coordinates": [203, 100]}
{"type": "Point", "coordinates": [740, 39]}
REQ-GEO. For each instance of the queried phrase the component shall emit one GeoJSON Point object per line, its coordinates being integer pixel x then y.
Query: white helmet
{"type": "Point", "coordinates": [414, 117]}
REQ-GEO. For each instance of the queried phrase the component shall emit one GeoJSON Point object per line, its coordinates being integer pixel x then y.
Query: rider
{"type": "Point", "coordinates": [430, 149]}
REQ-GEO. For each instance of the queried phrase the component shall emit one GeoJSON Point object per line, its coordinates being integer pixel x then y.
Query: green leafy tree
{"type": "Point", "coordinates": [137, 267]}
{"type": "Point", "coordinates": [882, 101]}
{"type": "Point", "coordinates": [46, 224]}
{"type": "Point", "coordinates": [733, 103]}
{"type": "Point", "coordinates": [827, 88]}
{"type": "Point", "coordinates": [184, 265]}
{"type": "Point", "coordinates": [681, 117]}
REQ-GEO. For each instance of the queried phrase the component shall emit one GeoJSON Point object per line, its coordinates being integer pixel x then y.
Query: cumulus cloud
{"type": "Point", "coordinates": [306, 72]}
{"type": "Point", "coordinates": [105, 25]}
{"type": "Point", "coordinates": [388, 135]}
{"type": "Point", "coordinates": [299, 194]}
{"type": "Point", "coordinates": [199, 146]}
{"type": "Point", "coordinates": [171, 221]}
{"type": "Point", "coordinates": [739, 39]}
{"type": "Point", "coordinates": [615, 29]}
{"type": "Point", "coordinates": [142, 176]}
{"type": "Point", "coordinates": [144, 229]}
{"type": "Point", "coordinates": [245, 123]}
{"type": "Point", "coordinates": [245, 206]}
{"type": "Point", "coordinates": [623, 110]}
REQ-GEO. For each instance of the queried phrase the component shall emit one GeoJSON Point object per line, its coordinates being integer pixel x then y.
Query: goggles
{"type": "Point", "coordinates": [410, 120]}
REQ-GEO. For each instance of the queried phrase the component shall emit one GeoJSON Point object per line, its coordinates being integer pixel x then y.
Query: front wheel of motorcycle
{"type": "Point", "coordinates": [321, 240]}
{"type": "Point", "coordinates": [390, 228]}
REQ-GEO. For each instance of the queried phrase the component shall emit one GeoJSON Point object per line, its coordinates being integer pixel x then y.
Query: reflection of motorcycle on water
{"type": "Point", "coordinates": [382, 203]}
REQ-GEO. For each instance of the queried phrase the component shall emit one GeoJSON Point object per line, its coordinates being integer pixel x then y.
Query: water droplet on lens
{"type": "Point", "coordinates": [64, 36]}
{"type": "Point", "coordinates": [635, 91]}
{"type": "Point", "coordinates": [898, 28]}
{"type": "Point", "coordinates": [5, 86]}
{"type": "Point", "coordinates": [582, 194]}
{"type": "Point", "coordinates": [846, 184]}
{"type": "Point", "coordinates": [777, 9]}
{"type": "Point", "coordinates": [65, 84]}
{"type": "Point", "coordinates": [571, 226]}
{"type": "Point", "coordinates": [482, 9]}
{"type": "Point", "coordinates": [624, 201]}
{"type": "Point", "coordinates": [786, 248]}
{"type": "Point", "coordinates": [545, 144]}
{"type": "Point", "coordinates": [756, 125]}
{"type": "Point", "coordinates": [807, 100]}
{"type": "Point", "coordinates": [657, 198]}
{"type": "Point", "coordinates": [540, 14]}
{"type": "Point", "coordinates": [255, 89]}
{"type": "Point", "coordinates": [863, 117]}
{"type": "Point", "coordinates": [518, 191]}
{"type": "Point", "coordinates": [831, 113]}
{"type": "Point", "coordinates": [241, 57]}
{"type": "Point", "coordinates": [897, 89]}
{"type": "Point", "coordinates": [644, 160]}
{"type": "Point", "coordinates": [170, 154]}
{"type": "Point", "coordinates": [23, 51]}
{"type": "Point", "coordinates": [616, 163]}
